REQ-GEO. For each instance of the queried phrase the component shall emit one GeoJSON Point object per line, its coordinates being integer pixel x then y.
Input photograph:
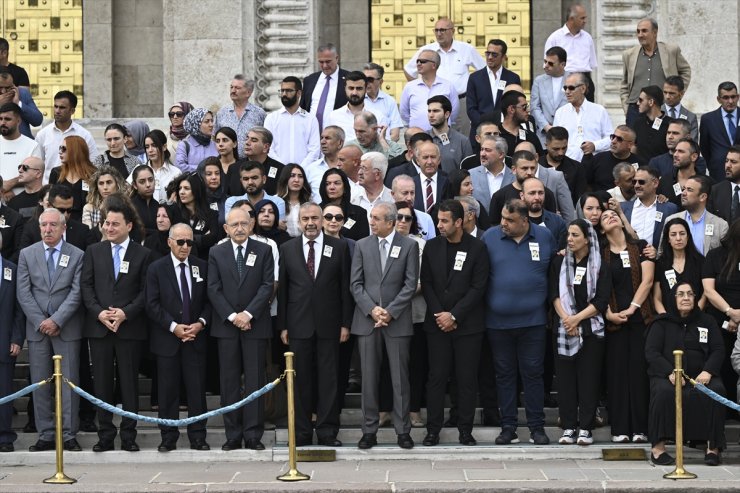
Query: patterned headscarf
{"type": "Point", "coordinates": [179, 132]}
{"type": "Point", "coordinates": [192, 125]}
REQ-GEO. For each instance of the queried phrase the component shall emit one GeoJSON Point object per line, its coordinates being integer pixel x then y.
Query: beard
{"type": "Point", "coordinates": [289, 101]}
{"type": "Point", "coordinates": [355, 100]}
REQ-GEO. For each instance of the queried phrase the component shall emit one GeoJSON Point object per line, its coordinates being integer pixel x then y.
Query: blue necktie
{"type": "Point", "coordinates": [322, 103]}
{"type": "Point", "coordinates": [731, 128]}
{"type": "Point", "coordinates": [116, 260]}
{"type": "Point", "coordinates": [50, 264]}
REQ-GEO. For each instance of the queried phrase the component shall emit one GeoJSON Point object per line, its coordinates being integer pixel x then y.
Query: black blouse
{"type": "Point", "coordinates": [691, 274]}
{"type": "Point", "coordinates": [621, 276]}
{"type": "Point", "coordinates": [728, 289]}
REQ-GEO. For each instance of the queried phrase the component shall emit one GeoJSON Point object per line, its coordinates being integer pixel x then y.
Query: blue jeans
{"type": "Point", "coordinates": [521, 349]}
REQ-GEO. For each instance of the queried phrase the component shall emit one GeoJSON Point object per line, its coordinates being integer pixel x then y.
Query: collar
{"type": "Point", "coordinates": [420, 81]}
{"type": "Point", "coordinates": [381, 95]}
{"type": "Point", "coordinates": [334, 75]}
{"type": "Point", "coordinates": [497, 74]}
{"type": "Point", "coordinates": [528, 234]}
{"type": "Point", "coordinates": [567, 32]}
{"type": "Point", "coordinates": [234, 245]}
{"type": "Point", "coordinates": [495, 175]}
{"type": "Point", "coordinates": [124, 244]}
{"type": "Point", "coordinates": [687, 217]}
{"type": "Point", "coordinates": [72, 127]}
{"type": "Point", "coordinates": [57, 247]}
{"type": "Point", "coordinates": [388, 238]}
{"type": "Point", "coordinates": [176, 262]}
{"type": "Point", "coordinates": [318, 241]}
{"type": "Point", "coordinates": [299, 111]}
{"type": "Point", "coordinates": [424, 177]}
{"type": "Point", "coordinates": [638, 203]}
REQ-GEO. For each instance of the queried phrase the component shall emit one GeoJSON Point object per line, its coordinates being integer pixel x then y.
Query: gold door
{"type": "Point", "coordinates": [400, 27]}
{"type": "Point", "coordinates": [45, 38]}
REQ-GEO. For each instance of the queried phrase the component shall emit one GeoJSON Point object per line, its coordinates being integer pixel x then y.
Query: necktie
{"type": "Point", "coordinates": [731, 128]}
{"type": "Point", "coordinates": [185, 294]}
{"type": "Point", "coordinates": [673, 112]}
{"type": "Point", "coordinates": [50, 264]}
{"type": "Point", "coordinates": [322, 103]}
{"type": "Point", "coordinates": [736, 204]}
{"type": "Point", "coordinates": [430, 195]}
{"type": "Point", "coordinates": [383, 254]}
{"type": "Point", "coordinates": [116, 260]}
{"type": "Point", "coordinates": [240, 265]}
{"type": "Point", "coordinates": [311, 262]}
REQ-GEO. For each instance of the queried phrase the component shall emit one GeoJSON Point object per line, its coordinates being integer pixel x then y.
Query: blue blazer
{"type": "Point", "coordinates": [30, 114]}
{"type": "Point", "coordinates": [667, 208]}
{"type": "Point", "coordinates": [479, 98]}
{"type": "Point", "coordinates": [714, 142]}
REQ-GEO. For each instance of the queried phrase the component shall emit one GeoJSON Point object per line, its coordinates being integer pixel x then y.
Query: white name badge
{"type": "Point", "coordinates": [445, 139]}
{"type": "Point", "coordinates": [677, 189]}
{"type": "Point", "coordinates": [461, 255]}
{"type": "Point", "coordinates": [195, 271]}
{"type": "Point", "coordinates": [157, 185]}
{"type": "Point", "coordinates": [635, 166]}
{"type": "Point", "coordinates": [534, 251]}
{"type": "Point", "coordinates": [580, 272]}
{"type": "Point", "coordinates": [522, 134]}
{"type": "Point", "coordinates": [327, 251]}
{"type": "Point", "coordinates": [85, 187]}
{"type": "Point", "coordinates": [658, 216]}
{"type": "Point", "coordinates": [459, 262]}
{"type": "Point", "coordinates": [124, 267]}
{"type": "Point", "coordinates": [2, 222]}
{"type": "Point", "coordinates": [683, 117]}
{"type": "Point", "coordinates": [214, 206]}
{"type": "Point", "coordinates": [709, 229]}
{"type": "Point", "coordinates": [726, 325]}
{"type": "Point", "coordinates": [251, 259]}
{"type": "Point", "coordinates": [579, 130]}
{"type": "Point", "coordinates": [349, 223]}
{"type": "Point", "coordinates": [657, 123]}
{"type": "Point", "coordinates": [501, 85]}
{"type": "Point", "coordinates": [703, 334]}
{"type": "Point", "coordinates": [670, 276]}
{"type": "Point", "coordinates": [8, 274]}
{"type": "Point", "coordinates": [64, 261]}
{"type": "Point", "coordinates": [625, 256]}
{"type": "Point", "coordinates": [395, 251]}
{"type": "Point", "coordinates": [272, 172]}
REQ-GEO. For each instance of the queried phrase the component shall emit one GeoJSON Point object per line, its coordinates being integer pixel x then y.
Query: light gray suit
{"type": "Point", "coordinates": [58, 299]}
{"type": "Point", "coordinates": [480, 184]}
{"type": "Point", "coordinates": [719, 230]}
{"type": "Point", "coordinates": [687, 115]}
{"type": "Point", "coordinates": [391, 289]}
{"type": "Point", "coordinates": [542, 105]}
{"type": "Point", "coordinates": [555, 181]}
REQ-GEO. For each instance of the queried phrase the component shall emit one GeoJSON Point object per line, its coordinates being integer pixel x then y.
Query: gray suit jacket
{"type": "Point", "coordinates": [719, 230]}
{"type": "Point", "coordinates": [59, 298]}
{"type": "Point", "coordinates": [542, 105]}
{"type": "Point", "coordinates": [689, 116]}
{"type": "Point", "coordinates": [671, 59]}
{"type": "Point", "coordinates": [391, 289]}
{"type": "Point", "coordinates": [480, 184]}
{"type": "Point", "coordinates": [555, 181]}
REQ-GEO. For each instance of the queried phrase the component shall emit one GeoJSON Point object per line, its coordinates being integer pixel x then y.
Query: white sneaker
{"type": "Point", "coordinates": [568, 437]}
{"type": "Point", "coordinates": [585, 437]}
{"type": "Point", "coordinates": [639, 438]}
{"type": "Point", "coordinates": [620, 438]}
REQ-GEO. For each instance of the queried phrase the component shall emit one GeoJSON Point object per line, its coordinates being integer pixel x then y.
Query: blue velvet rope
{"type": "Point", "coordinates": [22, 392]}
{"type": "Point", "coordinates": [714, 395]}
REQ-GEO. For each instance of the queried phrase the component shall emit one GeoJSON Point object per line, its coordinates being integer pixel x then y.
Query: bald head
{"type": "Point", "coordinates": [30, 173]}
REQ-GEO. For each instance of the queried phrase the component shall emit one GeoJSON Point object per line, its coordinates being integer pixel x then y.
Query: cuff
{"type": "Point", "coordinates": [172, 326]}
{"type": "Point", "coordinates": [231, 317]}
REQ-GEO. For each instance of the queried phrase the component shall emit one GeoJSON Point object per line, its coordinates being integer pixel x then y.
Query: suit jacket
{"type": "Point", "coordinates": [77, 234]}
{"type": "Point", "coordinates": [480, 184]}
{"type": "Point", "coordinates": [459, 292]}
{"type": "Point", "coordinates": [320, 306]}
{"type": "Point", "coordinates": [12, 329]}
{"type": "Point", "coordinates": [391, 289]}
{"type": "Point", "coordinates": [421, 192]}
{"type": "Point", "coordinates": [404, 169]}
{"type": "Point", "coordinates": [479, 98]}
{"type": "Point", "coordinates": [11, 227]}
{"type": "Point", "coordinates": [555, 181]}
{"type": "Point", "coordinates": [720, 200]}
{"type": "Point", "coordinates": [666, 209]}
{"type": "Point", "coordinates": [718, 230]}
{"type": "Point", "coordinates": [229, 294]}
{"type": "Point", "coordinates": [59, 298]}
{"type": "Point", "coordinates": [663, 164]}
{"type": "Point", "coordinates": [30, 114]}
{"type": "Point", "coordinates": [671, 59]}
{"type": "Point", "coordinates": [100, 290]}
{"type": "Point", "coordinates": [714, 142]}
{"type": "Point", "coordinates": [309, 84]}
{"type": "Point", "coordinates": [687, 115]}
{"type": "Point", "coordinates": [542, 105]}
{"type": "Point", "coordinates": [164, 304]}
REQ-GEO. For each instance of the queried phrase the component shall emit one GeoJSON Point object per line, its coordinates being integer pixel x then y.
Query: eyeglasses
{"type": "Point", "coordinates": [639, 182]}
{"type": "Point", "coordinates": [334, 217]}
{"type": "Point", "coordinates": [370, 80]}
{"type": "Point", "coordinates": [25, 167]}
{"type": "Point", "coordinates": [184, 242]}
{"type": "Point", "coordinates": [522, 106]}
{"type": "Point", "coordinates": [492, 54]}
{"type": "Point", "coordinates": [178, 114]}
{"type": "Point", "coordinates": [404, 218]}
{"type": "Point", "coordinates": [422, 61]}
{"type": "Point", "coordinates": [549, 63]}
{"type": "Point", "coordinates": [571, 88]}
{"type": "Point", "coordinates": [441, 30]}
{"type": "Point", "coordinates": [62, 148]}
{"type": "Point", "coordinates": [286, 91]}
{"type": "Point", "coordinates": [684, 294]}
{"type": "Point", "coordinates": [618, 138]}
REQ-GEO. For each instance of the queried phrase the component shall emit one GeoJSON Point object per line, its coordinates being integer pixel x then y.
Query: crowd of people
{"type": "Point", "coordinates": [464, 241]}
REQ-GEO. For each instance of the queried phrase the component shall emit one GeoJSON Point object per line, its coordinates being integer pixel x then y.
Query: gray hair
{"type": "Point", "coordinates": [51, 210]}
{"type": "Point", "coordinates": [621, 168]}
{"type": "Point", "coordinates": [470, 203]}
{"type": "Point", "coordinates": [338, 131]}
{"type": "Point", "coordinates": [581, 77]}
{"type": "Point", "coordinates": [328, 47]}
{"type": "Point", "coordinates": [367, 117]}
{"type": "Point", "coordinates": [377, 161]}
{"type": "Point", "coordinates": [435, 57]}
{"type": "Point", "coordinates": [390, 210]}
{"type": "Point", "coordinates": [652, 21]}
{"type": "Point", "coordinates": [264, 134]}
{"type": "Point", "coordinates": [498, 141]}
{"type": "Point", "coordinates": [178, 226]}
{"type": "Point", "coordinates": [374, 66]}
{"type": "Point", "coordinates": [308, 204]}
{"type": "Point", "coordinates": [400, 178]}
{"type": "Point", "coordinates": [248, 83]}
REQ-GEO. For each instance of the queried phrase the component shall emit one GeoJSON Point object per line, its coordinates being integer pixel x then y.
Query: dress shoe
{"type": "Point", "coordinates": [6, 447]}
{"type": "Point", "coordinates": [329, 442]}
{"type": "Point", "coordinates": [129, 446]}
{"type": "Point", "coordinates": [405, 441]}
{"type": "Point", "coordinates": [30, 427]}
{"type": "Point", "coordinates": [431, 440]}
{"type": "Point", "coordinates": [711, 459]}
{"type": "Point", "coordinates": [466, 438]}
{"type": "Point", "coordinates": [102, 446]}
{"type": "Point", "coordinates": [199, 444]}
{"type": "Point", "coordinates": [368, 440]}
{"type": "Point", "coordinates": [88, 426]}
{"type": "Point", "coordinates": [254, 444]}
{"type": "Point", "coordinates": [42, 445]}
{"type": "Point", "coordinates": [231, 445]}
{"type": "Point", "coordinates": [167, 446]}
{"type": "Point", "coordinates": [662, 460]}
{"type": "Point", "coordinates": [71, 445]}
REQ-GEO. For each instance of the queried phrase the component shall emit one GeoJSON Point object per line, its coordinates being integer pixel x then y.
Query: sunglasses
{"type": "Point", "coordinates": [492, 54]}
{"type": "Point", "coordinates": [571, 88]}
{"type": "Point", "coordinates": [178, 114]}
{"type": "Point", "coordinates": [184, 242]}
{"type": "Point", "coordinates": [64, 210]}
{"type": "Point", "coordinates": [639, 182]}
{"type": "Point", "coordinates": [440, 31]}
{"type": "Point", "coordinates": [404, 218]}
{"type": "Point", "coordinates": [370, 80]}
{"type": "Point", "coordinates": [25, 167]}
{"type": "Point", "coordinates": [617, 138]}
{"type": "Point", "coordinates": [549, 63]}
{"type": "Point", "coordinates": [62, 148]}
{"type": "Point", "coordinates": [422, 61]}
{"type": "Point", "coordinates": [330, 217]}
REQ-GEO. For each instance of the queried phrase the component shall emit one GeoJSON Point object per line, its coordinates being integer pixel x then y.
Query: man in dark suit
{"type": "Point", "coordinates": [431, 183]}
{"type": "Point", "coordinates": [409, 167]}
{"type": "Point", "coordinates": [480, 97]}
{"type": "Point", "coordinates": [314, 316]}
{"type": "Point", "coordinates": [673, 92]}
{"type": "Point", "coordinates": [724, 200]}
{"type": "Point", "coordinates": [113, 283]}
{"type": "Point", "coordinates": [325, 86]}
{"type": "Point", "coordinates": [719, 130]}
{"type": "Point", "coordinates": [453, 290]}
{"type": "Point", "coordinates": [77, 234]}
{"type": "Point", "coordinates": [240, 284]}
{"type": "Point", "coordinates": [178, 308]}
{"type": "Point", "coordinates": [11, 341]}
{"type": "Point", "coordinates": [385, 274]}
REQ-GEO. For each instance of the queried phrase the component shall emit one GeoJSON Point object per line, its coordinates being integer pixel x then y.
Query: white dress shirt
{"type": "Point", "coordinates": [643, 220]}
{"type": "Point", "coordinates": [414, 101]}
{"type": "Point", "coordinates": [50, 138]}
{"type": "Point", "coordinates": [493, 78]}
{"type": "Point", "coordinates": [580, 49]}
{"type": "Point", "coordinates": [330, 97]}
{"type": "Point", "coordinates": [591, 124]}
{"type": "Point", "coordinates": [455, 64]}
{"type": "Point", "coordinates": [318, 251]}
{"type": "Point", "coordinates": [359, 197]}
{"type": "Point", "coordinates": [296, 137]}
{"type": "Point", "coordinates": [385, 108]}
{"type": "Point", "coordinates": [494, 180]}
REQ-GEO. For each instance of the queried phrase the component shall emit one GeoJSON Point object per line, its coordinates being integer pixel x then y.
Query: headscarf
{"type": "Point", "coordinates": [138, 130]}
{"type": "Point", "coordinates": [568, 346]}
{"type": "Point", "coordinates": [671, 304]}
{"type": "Point", "coordinates": [274, 230]}
{"type": "Point", "coordinates": [192, 125]}
{"type": "Point", "coordinates": [179, 132]}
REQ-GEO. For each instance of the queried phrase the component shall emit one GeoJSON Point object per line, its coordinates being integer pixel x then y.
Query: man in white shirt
{"type": "Point", "coordinates": [14, 148]}
{"type": "Point", "coordinates": [296, 135]}
{"type": "Point", "coordinates": [373, 167]}
{"type": "Point", "coordinates": [383, 106]}
{"type": "Point", "coordinates": [332, 140]}
{"type": "Point", "coordinates": [417, 92]}
{"type": "Point", "coordinates": [645, 214]}
{"type": "Point", "coordinates": [344, 117]}
{"type": "Point", "coordinates": [51, 136]}
{"type": "Point", "coordinates": [324, 90]}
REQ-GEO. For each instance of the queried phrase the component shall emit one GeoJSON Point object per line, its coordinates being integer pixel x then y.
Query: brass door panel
{"type": "Point", "coordinates": [45, 38]}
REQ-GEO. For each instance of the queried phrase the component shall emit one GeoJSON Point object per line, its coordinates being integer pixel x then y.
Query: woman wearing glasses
{"type": "Point", "coordinates": [335, 190]}
{"type": "Point", "coordinates": [177, 115]}
{"type": "Point", "coordinates": [75, 171]}
{"type": "Point", "coordinates": [198, 145]}
{"type": "Point", "coordinates": [295, 190]}
{"type": "Point", "coordinates": [117, 154]}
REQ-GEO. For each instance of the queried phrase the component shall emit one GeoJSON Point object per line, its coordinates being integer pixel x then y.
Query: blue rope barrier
{"type": "Point", "coordinates": [174, 422]}
{"type": "Point", "coordinates": [23, 391]}
{"type": "Point", "coordinates": [714, 395]}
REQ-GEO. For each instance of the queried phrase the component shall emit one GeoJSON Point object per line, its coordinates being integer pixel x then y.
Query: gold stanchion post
{"type": "Point", "coordinates": [293, 474]}
{"type": "Point", "coordinates": [679, 472]}
{"type": "Point", "coordinates": [59, 477]}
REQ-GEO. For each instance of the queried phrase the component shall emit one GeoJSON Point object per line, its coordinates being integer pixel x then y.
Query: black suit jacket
{"type": "Point", "coordinates": [11, 227]}
{"type": "Point", "coordinates": [164, 304]}
{"type": "Point", "coordinates": [720, 200]}
{"type": "Point", "coordinates": [406, 168]}
{"type": "Point", "coordinates": [714, 142]}
{"type": "Point", "coordinates": [479, 98]}
{"type": "Point", "coordinates": [458, 292]}
{"type": "Point", "coordinates": [309, 84]}
{"type": "Point", "coordinates": [421, 192]}
{"type": "Point", "coordinates": [318, 306]}
{"type": "Point", "coordinates": [13, 326]}
{"type": "Point", "coordinates": [100, 290]}
{"type": "Point", "coordinates": [78, 234]}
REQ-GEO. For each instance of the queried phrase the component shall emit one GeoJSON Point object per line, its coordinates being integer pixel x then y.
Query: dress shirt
{"type": "Point", "coordinates": [493, 79]}
{"type": "Point", "coordinates": [124, 247]}
{"type": "Point", "coordinates": [359, 197]}
{"type": "Point", "coordinates": [280, 203]}
{"type": "Point", "coordinates": [314, 173]}
{"type": "Point", "coordinates": [318, 251]}
{"type": "Point", "coordinates": [697, 230]}
{"type": "Point", "coordinates": [56, 249]}
{"type": "Point", "coordinates": [617, 194]}
{"type": "Point", "coordinates": [389, 239]}
{"type": "Point", "coordinates": [591, 124]}
{"type": "Point", "coordinates": [345, 119]}
{"type": "Point", "coordinates": [296, 137]}
{"type": "Point", "coordinates": [253, 116]}
{"type": "Point", "coordinates": [330, 98]}
{"type": "Point", "coordinates": [643, 220]}
{"type": "Point", "coordinates": [676, 109]}
{"type": "Point", "coordinates": [579, 47]}
{"type": "Point", "coordinates": [454, 64]}
{"type": "Point", "coordinates": [557, 86]}
{"type": "Point", "coordinates": [414, 101]}
{"type": "Point", "coordinates": [385, 108]}
{"type": "Point", "coordinates": [494, 180]}
{"type": "Point", "coordinates": [50, 138]}
{"type": "Point", "coordinates": [176, 263]}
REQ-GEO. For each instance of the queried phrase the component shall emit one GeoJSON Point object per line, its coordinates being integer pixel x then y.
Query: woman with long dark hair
{"type": "Point", "coordinates": [104, 182]}
{"type": "Point", "coordinates": [679, 261]}
{"type": "Point", "coordinates": [228, 155]}
{"type": "Point", "coordinates": [459, 183]}
{"type": "Point", "coordinates": [75, 171]}
{"type": "Point", "coordinates": [294, 189]}
{"type": "Point", "coordinates": [211, 172]}
{"type": "Point", "coordinates": [142, 196]}
{"type": "Point", "coordinates": [117, 154]}
{"type": "Point", "coordinates": [335, 190]}
{"type": "Point", "coordinates": [191, 207]}
{"type": "Point", "coordinates": [158, 158]}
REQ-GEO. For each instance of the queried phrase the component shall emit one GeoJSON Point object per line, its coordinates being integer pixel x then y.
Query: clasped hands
{"type": "Point", "coordinates": [187, 333]}
{"type": "Point", "coordinates": [112, 318]}
{"type": "Point", "coordinates": [571, 324]}
{"type": "Point", "coordinates": [48, 327]}
{"type": "Point", "coordinates": [381, 316]}
{"type": "Point", "coordinates": [445, 321]}
{"type": "Point", "coordinates": [243, 321]}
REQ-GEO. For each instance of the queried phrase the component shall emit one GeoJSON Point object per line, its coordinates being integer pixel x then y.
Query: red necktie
{"type": "Point", "coordinates": [430, 195]}
{"type": "Point", "coordinates": [311, 262]}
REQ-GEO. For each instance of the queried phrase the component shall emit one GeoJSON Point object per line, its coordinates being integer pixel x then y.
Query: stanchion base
{"type": "Point", "coordinates": [679, 473]}
{"type": "Point", "coordinates": [60, 478]}
{"type": "Point", "coordinates": [293, 475]}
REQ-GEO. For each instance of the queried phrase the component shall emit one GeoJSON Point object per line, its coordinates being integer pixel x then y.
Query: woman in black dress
{"type": "Point", "coordinates": [191, 207]}
{"type": "Point", "coordinates": [679, 261]}
{"type": "Point", "coordinates": [335, 190]}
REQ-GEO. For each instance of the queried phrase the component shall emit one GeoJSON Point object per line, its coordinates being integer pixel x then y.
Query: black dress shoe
{"type": "Point", "coordinates": [42, 445]}
{"type": "Point", "coordinates": [405, 441]}
{"type": "Point", "coordinates": [368, 441]}
{"type": "Point", "coordinates": [254, 444]}
{"type": "Point", "coordinates": [712, 459]}
{"type": "Point", "coordinates": [30, 427]}
{"type": "Point", "coordinates": [129, 446]}
{"type": "Point", "coordinates": [231, 445]}
{"type": "Point", "coordinates": [6, 447]}
{"type": "Point", "coordinates": [199, 444]}
{"type": "Point", "coordinates": [167, 446]}
{"type": "Point", "coordinates": [71, 445]}
{"type": "Point", "coordinates": [662, 460]}
{"type": "Point", "coordinates": [88, 426]}
{"type": "Point", "coordinates": [466, 438]}
{"type": "Point", "coordinates": [431, 440]}
{"type": "Point", "coordinates": [102, 446]}
{"type": "Point", "coordinates": [329, 442]}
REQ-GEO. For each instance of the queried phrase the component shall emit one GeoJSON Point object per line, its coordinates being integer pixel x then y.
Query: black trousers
{"type": "Point", "coordinates": [126, 354]}
{"type": "Point", "coordinates": [487, 394]}
{"type": "Point", "coordinates": [346, 350]}
{"type": "Point", "coordinates": [448, 352]}
{"type": "Point", "coordinates": [579, 384]}
{"type": "Point", "coordinates": [418, 368]}
{"type": "Point", "coordinates": [7, 435]}
{"type": "Point", "coordinates": [627, 381]}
